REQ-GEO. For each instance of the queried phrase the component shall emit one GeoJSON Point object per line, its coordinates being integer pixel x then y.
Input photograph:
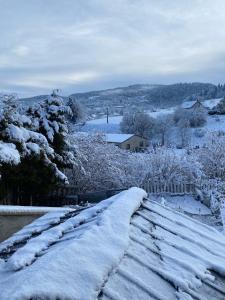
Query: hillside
{"type": "Point", "coordinates": [140, 96]}
{"type": "Point", "coordinates": [143, 97]}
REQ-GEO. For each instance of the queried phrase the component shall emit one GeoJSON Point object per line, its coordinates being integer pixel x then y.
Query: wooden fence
{"type": "Point", "coordinates": [172, 188]}
{"type": "Point", "coordinates": [176, 188]}
{"type": "Point", "coordinates": [70, 194]}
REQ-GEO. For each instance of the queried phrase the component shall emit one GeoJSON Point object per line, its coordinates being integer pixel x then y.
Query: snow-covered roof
{"type": "Point", "coordinates": [122, 248]}
{"type": "Point", "coordinates": [210, 103]}
{"type": "Point", "coordinates": [117, 137]}
{"type": "Point", "coordinates": [109, 137]}
{"type": "Point", "coordinates": [18, 209]}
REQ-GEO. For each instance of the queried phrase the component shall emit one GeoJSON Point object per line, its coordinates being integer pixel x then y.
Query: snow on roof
{"type": "Point", "coordinates": [78, 250]}
{"type": "Point", "coordinates": [125, 248]}
{"type": "Point", "coordinates": [109, 137]}
{"type": "Point", "coordinates": [210, 103]}
{"type": "Point", "coordinates": [117, 137]}
{"type": "Point", "coordinates": [17, 209]}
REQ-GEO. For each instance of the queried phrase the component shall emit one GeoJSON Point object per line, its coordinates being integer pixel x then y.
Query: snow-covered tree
{"type": "Point", "coordinates": [9, 155]}
{"type": "Point", "coordinates": [163, 125]}
{"type": "Point", "coordinates": [166, 167]}
{"type": "Point", "coordinates": [77, 111]}
{"type": "Point", "coordinates": [138, 123]}
{"type": "Point", "coordinates": [50, 119]}
{"type": "Point", "coordinates": [99, 166]}
{"type": "Point", "coordinates": [36, 160]}
{"type": "Point", "coordinates": [183, 127]}
{"type": "Point", "coordinates": [196, 118]}
{"type": "Point", "coordinates": [212, 157]}
{"type": "Point", "coordinates": [104, 166]}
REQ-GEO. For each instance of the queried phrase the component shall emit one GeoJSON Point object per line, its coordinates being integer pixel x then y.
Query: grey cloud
{"type": "Point", "coordinates": [82, 45]}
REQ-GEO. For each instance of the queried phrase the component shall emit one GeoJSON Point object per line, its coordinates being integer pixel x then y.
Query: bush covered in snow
{"type": "Point", "coordinates": [77, 111]}
{"type": "Point", "coordinates": [165, 166]}
{"type": "Point", "coordinates": [104, 166]}
{"type": "Point", "coordinates": [212, 157]}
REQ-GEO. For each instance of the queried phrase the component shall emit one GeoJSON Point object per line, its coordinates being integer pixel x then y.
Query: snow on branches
{"type": "Point", "coordinates": [40, 133]}
{"type": "Point", "coordinates": [9, 154]}
{"type": "Point", "coordinates": [104, 166]}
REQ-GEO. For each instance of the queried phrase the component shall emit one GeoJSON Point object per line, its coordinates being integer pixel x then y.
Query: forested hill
{"type": "Point", "coordinates": [156, 95]}
{"type": "Point", "coordinates": [144, 95]}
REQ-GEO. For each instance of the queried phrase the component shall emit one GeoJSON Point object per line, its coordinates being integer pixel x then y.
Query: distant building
{"type": "Point", "coordinates": [131, 142]}
{"type": "Point", "coordinates": [195, 106]}
{"type": "Point", "coordinates": [202, 106]}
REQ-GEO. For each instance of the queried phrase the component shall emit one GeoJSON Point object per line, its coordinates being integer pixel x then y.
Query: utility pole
{"type": "Point", "coordinates": [107, 114]}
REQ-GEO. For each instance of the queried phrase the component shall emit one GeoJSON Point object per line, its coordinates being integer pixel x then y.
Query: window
{"type": "Point", "coordinates": [128, 146]}
{"type": "Point", "coordinates": [141, 144]}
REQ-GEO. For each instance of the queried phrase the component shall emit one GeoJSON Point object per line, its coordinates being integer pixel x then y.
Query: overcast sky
{"type": "Point", "coordinates": [81, 45]}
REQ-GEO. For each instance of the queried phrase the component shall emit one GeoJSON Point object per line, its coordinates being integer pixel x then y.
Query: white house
{"type": "Point", "coordinates": [130, 142]}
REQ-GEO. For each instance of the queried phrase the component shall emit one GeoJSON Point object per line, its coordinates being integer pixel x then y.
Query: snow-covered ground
{"type": "Point", "coordinates": [196, 136]}
{"type": "Point", "coordinates": [214, 122]}
{"type": "Point", "coordinates": [112, 120]}
{"type": "Point", "coordinates": [159, 112]}
{"type": "Point", "coordinates": [101, 125]}
{"type": "Point", "coordinates": [185, 203]}
{"type": "Point", "coordinates": [193, 208]}
{"type": "Point", "coordinates": [162, 112]}
{"type": "Point", "coordinates": [118, 119]}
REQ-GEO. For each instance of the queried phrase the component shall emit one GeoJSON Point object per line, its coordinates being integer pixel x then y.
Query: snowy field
{"type": "Point", "coordinates": [214, 123]}
{"type": "Point", "coordinates": [101, 125]}
{"type": "Point", "coordinates": [112, 120]}
{"type": "Point", "coordinates": [162, 112]}
{"type": "Point", "coordinates": [196, 136]}
{"type": "Point", "coordinates": [118, 119]}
